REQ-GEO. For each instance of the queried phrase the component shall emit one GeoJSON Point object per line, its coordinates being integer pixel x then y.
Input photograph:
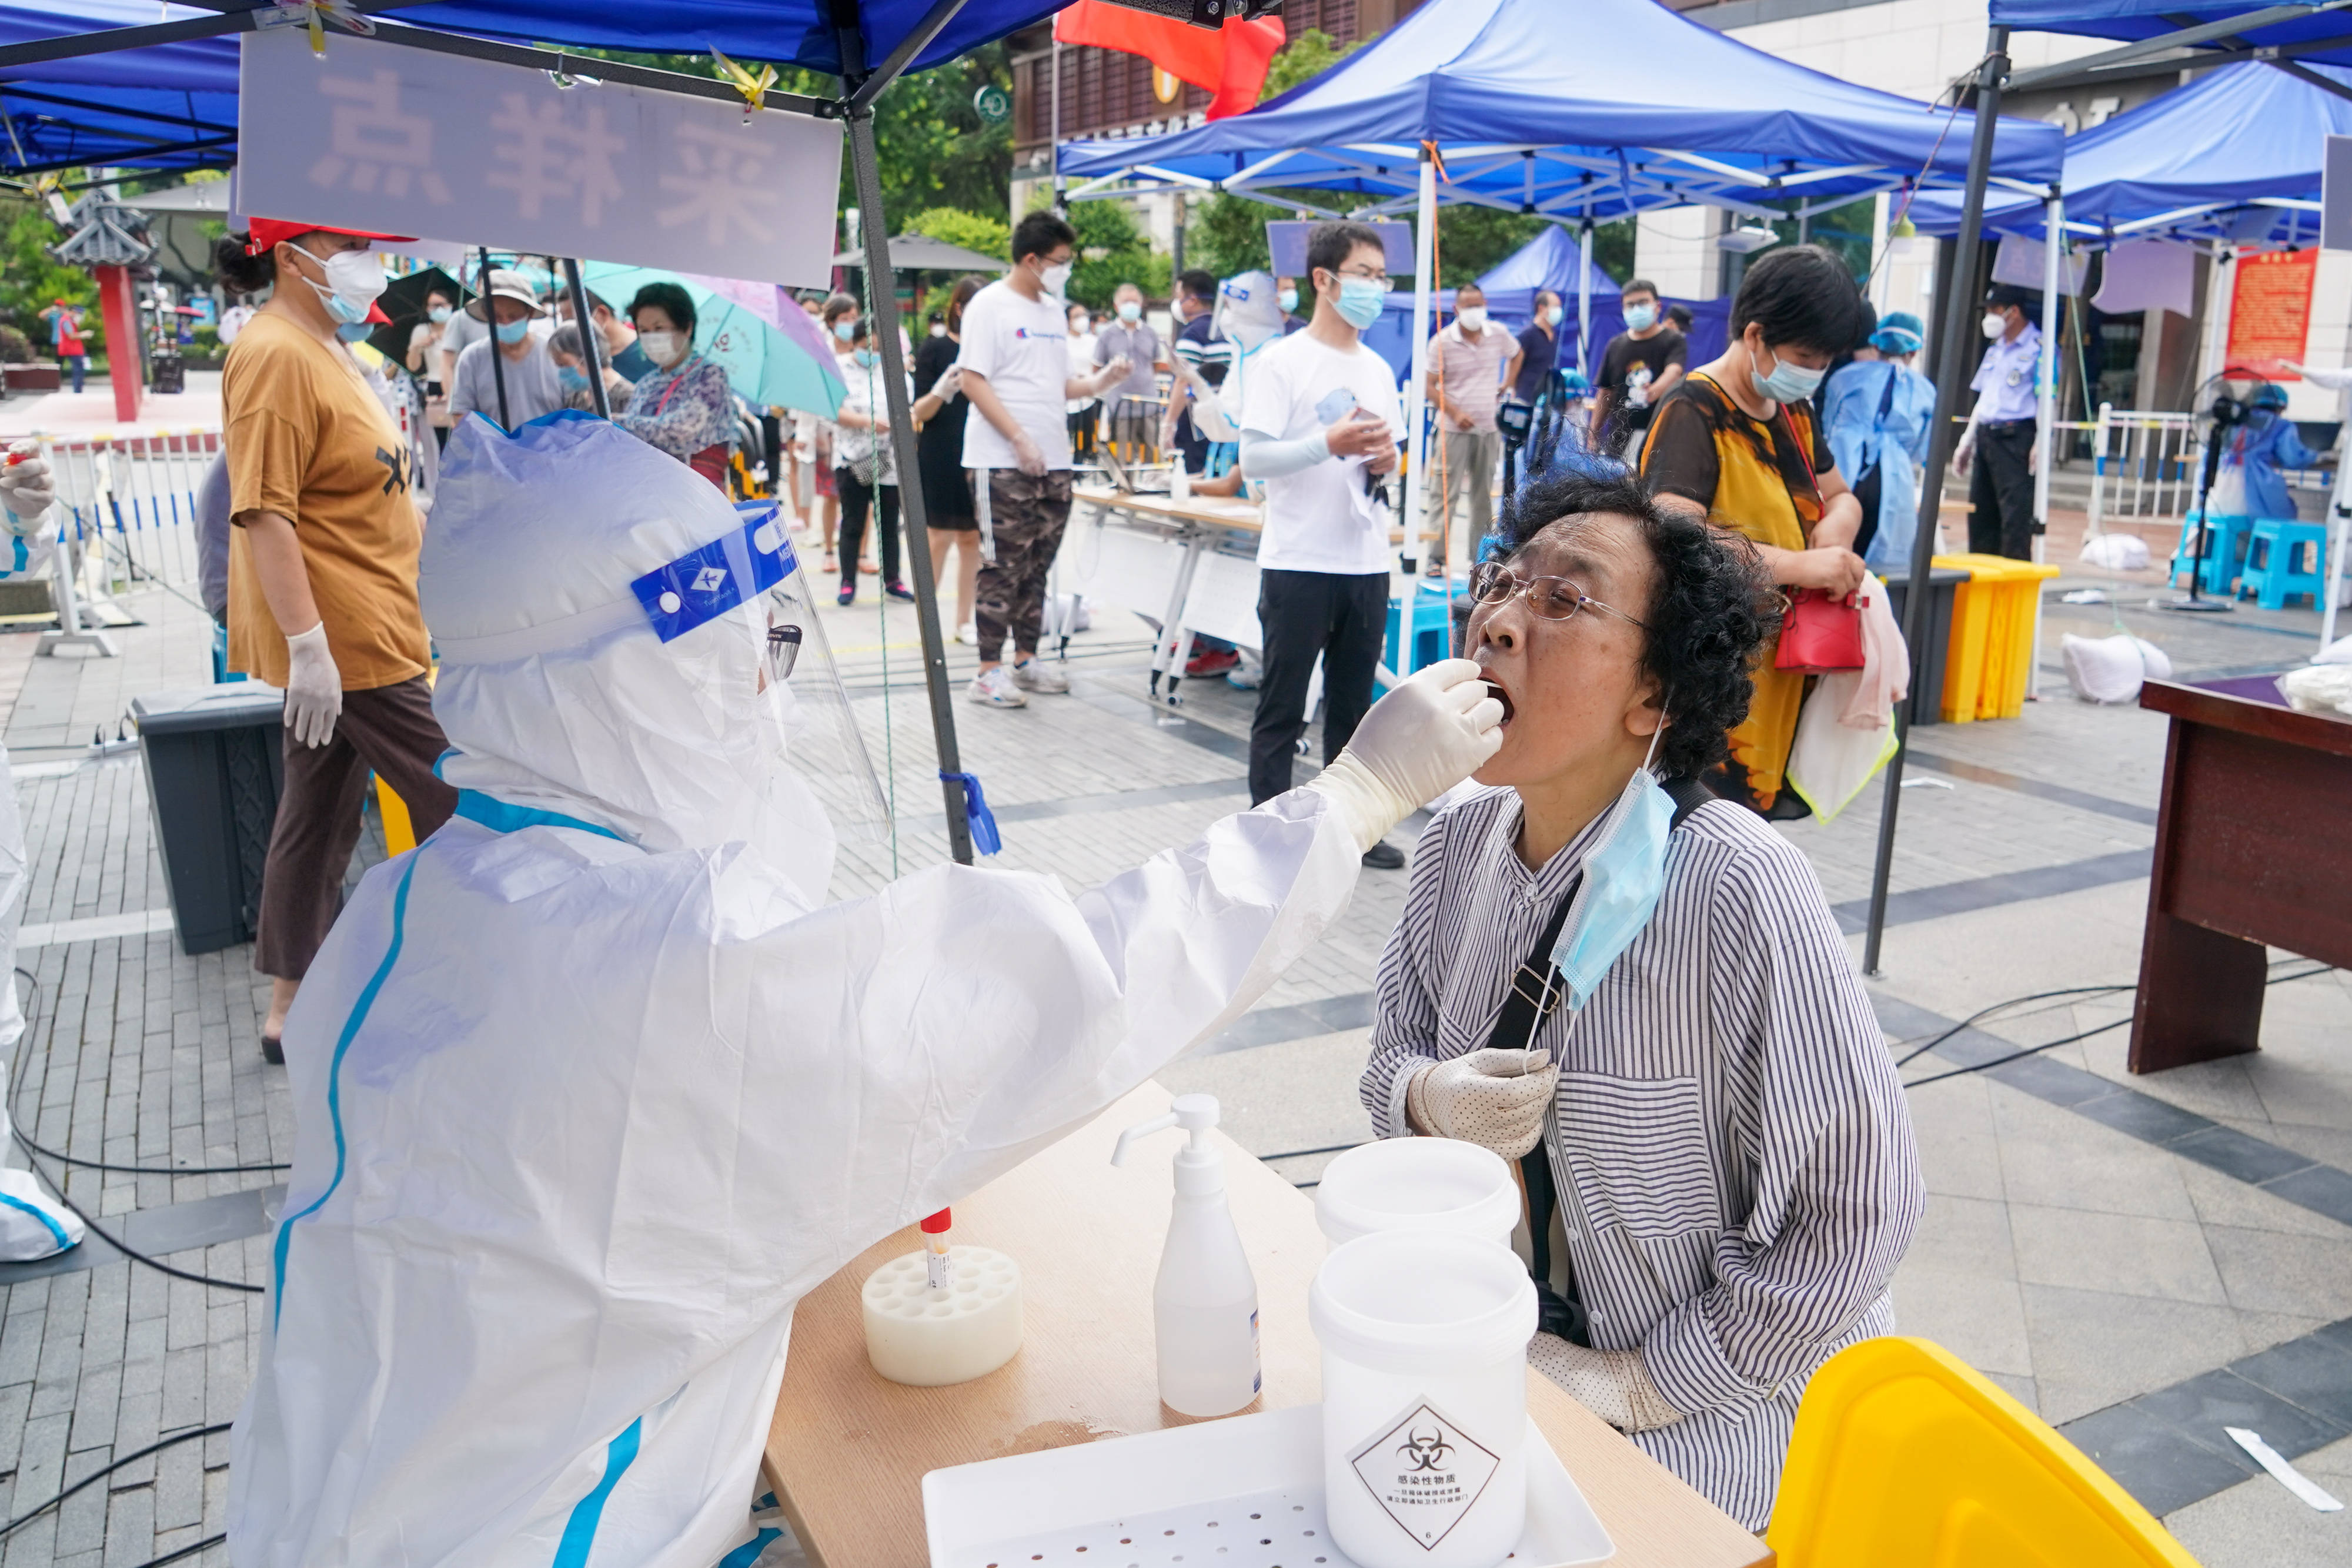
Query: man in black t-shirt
{"type": "Point", "coordinates": [1639, 367]}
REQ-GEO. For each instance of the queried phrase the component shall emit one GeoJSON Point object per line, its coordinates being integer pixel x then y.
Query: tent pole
{"type": "Point", "coordinates": [1584, 300]}
{"type": "Point", "coordinates": [490, 320]}
{"type": "Point", "coordinates": [1949, 384]}
{"type": "Point", "coordinates": [2045, 406]}
{"type": "Point", "coordinates": [2340, 508]}
{"type": "Point", "coordinates": [885, 293]}
{"type": "Point", "coordinates": [1416, 410]}
{"type": "Point", "coordinates": [1882, 208]}
{"type": "Point", "coordinates": [588, 344]}
{"type": "Point", "coordinates": [1053, 148]}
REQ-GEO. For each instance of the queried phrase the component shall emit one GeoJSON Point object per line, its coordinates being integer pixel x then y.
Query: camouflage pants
{"type": "Point", "coordinates": [1029, 515]}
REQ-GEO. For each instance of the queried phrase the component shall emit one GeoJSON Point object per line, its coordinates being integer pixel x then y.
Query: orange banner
{"type": "Point", "coordinates": [2270, 310]}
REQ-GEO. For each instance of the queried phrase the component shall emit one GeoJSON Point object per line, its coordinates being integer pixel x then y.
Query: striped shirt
{"type": "Point", "coordinates": [1735, 1163]}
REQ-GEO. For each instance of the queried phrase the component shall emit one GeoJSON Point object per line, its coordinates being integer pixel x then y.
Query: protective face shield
{"type": "Point", "coordinates": [605, 617]}
{"type": "Point", "coordinates": [1249, 312]}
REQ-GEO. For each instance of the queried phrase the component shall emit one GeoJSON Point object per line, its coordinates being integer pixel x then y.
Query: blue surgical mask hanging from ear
{"type": "Point", "coordinates": [1623, 879]}
{"type": "Point", "coordinates": [353, 332]}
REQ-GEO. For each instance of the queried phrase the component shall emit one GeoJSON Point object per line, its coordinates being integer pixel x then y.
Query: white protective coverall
{"type": "Point", "coordinates": [33, 1225]}
{"type": "Point", "coordinates": [590, 1088]}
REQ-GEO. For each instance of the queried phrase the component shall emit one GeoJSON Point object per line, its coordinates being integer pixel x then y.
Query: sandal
{"type": "Point", "coordinates": [831, 565]}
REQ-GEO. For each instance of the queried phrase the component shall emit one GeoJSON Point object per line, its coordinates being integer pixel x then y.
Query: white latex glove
{"type": "Point", "coordinates": [1495, 1099]}
{"type": "Point", "coordinates": [1615, 1385]}
{"type": "Point", "coordinates": [1027, 457]}
{"type": "Point", "coordinates": [949, 386]}
{"type": "Point", "coordinates": [1965, 452]}
{"type": "Point", "coordinates": [314, 687]}
{"type": "Point", "coordinates": [26, 486]}
{"type": "Point", "coordinates": [1431, 732]}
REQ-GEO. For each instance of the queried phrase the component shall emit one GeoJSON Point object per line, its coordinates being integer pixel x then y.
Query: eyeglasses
{"type": "Point", "coordinates": [1548, 597]}
{"type": "Point", "coordinates": [1378, 274]}
{"type": "Point", "coordinates": [783, 651]}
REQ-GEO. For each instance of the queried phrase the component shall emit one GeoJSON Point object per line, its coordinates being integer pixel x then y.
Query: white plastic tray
{"type": "Point", "coordinates": [1246, 1492]}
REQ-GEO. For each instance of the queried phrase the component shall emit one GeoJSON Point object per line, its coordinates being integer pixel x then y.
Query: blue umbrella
{"type": "Point", "coordinates": [769, 349]}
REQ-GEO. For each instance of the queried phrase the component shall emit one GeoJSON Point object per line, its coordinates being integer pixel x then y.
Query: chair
{"type": "Point", "coordinates": [1905, 1455]}
{"type": "Point", "coordinates": [2222, 555]}
{"type": "Point", "coordinates": [2271, 576]}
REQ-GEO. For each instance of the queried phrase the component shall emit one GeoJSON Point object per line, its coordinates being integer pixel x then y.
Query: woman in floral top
{"type": "Point", "coordinates": [685, 407]}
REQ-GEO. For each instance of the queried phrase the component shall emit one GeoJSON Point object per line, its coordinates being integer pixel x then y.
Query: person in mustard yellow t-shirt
{"type": "Point", "coordinates": [323, 578]}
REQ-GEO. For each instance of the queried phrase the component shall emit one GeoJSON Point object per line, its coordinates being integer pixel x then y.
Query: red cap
{"type": "Point", "coordinates": [938, 1224]}
{"type": "Point", "coordinates": [268, 232]}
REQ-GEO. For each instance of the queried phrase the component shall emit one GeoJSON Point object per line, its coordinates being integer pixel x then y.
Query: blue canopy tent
{"type": "Point", "coordinates": [2161, 172]}
{"type": "Point", "coordinates": [867, 44]}
{"type": "Point", "coordinates": [1645, 109]}
{"type": "Point", "coordinates": [173, 106]}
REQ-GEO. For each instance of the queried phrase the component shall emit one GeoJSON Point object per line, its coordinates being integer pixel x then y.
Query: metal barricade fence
{"type": "Point", "coordinates": [130, 501]}
{"type": "Point", "coordinates": [2145, 463]}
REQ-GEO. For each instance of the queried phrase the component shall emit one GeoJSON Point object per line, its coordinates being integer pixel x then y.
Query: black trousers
{"type": "Point", "coordinates": [857, 504]}
{"type": "Point", "coordinates": [2000, 489]}
{"type": "Point", "coordinates": [1301, 614]}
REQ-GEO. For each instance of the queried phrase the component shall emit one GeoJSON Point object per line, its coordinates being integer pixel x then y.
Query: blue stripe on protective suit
{"type": "Point", "coordinates": [335, 1093]}
{"type": "Point", "coordinates": [500, 817]}
{"type": "Point", "coordinates": [730, 571]}
{"type": "Point", "coordinates": [749, 1552]}
{"type": "Point", "coordinates": [580, 1529]}
{"type": "Point", "coordinates": [57, 1230]}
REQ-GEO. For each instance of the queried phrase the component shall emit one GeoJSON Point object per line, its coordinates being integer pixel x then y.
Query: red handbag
{"type": "Point", "coordinates": [1819, 635]}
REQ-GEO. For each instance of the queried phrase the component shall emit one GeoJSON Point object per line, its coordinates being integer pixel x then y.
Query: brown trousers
{"type": "Point", "coordinates": [390, 731]}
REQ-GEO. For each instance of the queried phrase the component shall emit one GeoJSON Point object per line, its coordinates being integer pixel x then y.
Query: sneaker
{"type": "Point", "coordinates": [1383, 857]}
{"type": "Point", "coordinates": [993, 688]}
{"type": "Point", "coordinates": [967, 633]}
{"type": "Point", "coordinates": [1036, 675]}
{"type": "Point", "coordinates": [897, 590]}
{"type": "Point", "coordinates": [849, 594]}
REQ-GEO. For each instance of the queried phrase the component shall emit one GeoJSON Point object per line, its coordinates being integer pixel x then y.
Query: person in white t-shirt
{"type": "Point", "coordinates": [1015, 365]}
{"type": "Point", "coordinates": [1320, 423]}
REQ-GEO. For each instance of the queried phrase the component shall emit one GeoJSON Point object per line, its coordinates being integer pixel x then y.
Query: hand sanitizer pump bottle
{"type": "Point", "coordinates": [1204, 1303]}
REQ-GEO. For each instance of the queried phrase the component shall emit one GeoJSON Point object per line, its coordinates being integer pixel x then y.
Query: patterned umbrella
{"type": "Point", "coordinates": [773, 353]}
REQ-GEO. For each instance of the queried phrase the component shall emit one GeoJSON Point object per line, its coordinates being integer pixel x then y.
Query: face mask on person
{"type": "Point", "coordinates": [1552, 316]}
{"type": "Point", "coordinates": [1056, 278]}
{"type": "Point", "coordinates": [1787, 383]}
{"type": "Point", "coordinates": [864, 357]}
{"type": "Point", "coordinates": [571, 379]}
{"type": "Point", "coordinates": [440, 314]}
{"type": "Point", "coordinates": [1360, 300]}
{"type": "Point", "coordinates": [845, 330]}
{"type": "Point", "coordinates": [1640, 318]}
{"type": "Point", "coordinates": [1472, 318]}
{"type": "Point", "coordinates": [939, 329]}
{"type": "Point", "coordinates": [513, 332]}
{"type": "Point", "coordinates": [1080, 326]}
{"type": "Point", "coordinates": [1130, 311]}
{"type": "Point", "coordinates": [1995, 324]}
{"type": "Point", "coordinates": [352, 331]}
{"type": "Point", "coordinates": [1622, 878]}
{"type": "Point", "coordinates": [355, 279]}
{"type": "Point", "coordinates": [1288, 300]}
{"type": "Point", "coordinates": [662, 348]}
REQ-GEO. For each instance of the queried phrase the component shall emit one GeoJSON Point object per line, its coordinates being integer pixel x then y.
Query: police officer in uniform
{"type": "Point", "coordinates": [1996, 452]}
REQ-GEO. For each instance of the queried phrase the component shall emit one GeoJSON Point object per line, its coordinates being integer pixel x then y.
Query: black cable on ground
{"type": "Point", "coordinates": [184, 1551]}
{"type": "Point", "coordinates": [2014, 1001]}
{"type": "Point", "coordinates": [31, 1514]}
{"type": "Point", "coordinates": [92, 1226]}
{"type": "Point", "coordinates": [2070, 1039]}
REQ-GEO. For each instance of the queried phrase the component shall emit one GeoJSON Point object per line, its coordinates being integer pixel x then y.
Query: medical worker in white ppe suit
{"type": "Point", "coordinates": [593, 1086]}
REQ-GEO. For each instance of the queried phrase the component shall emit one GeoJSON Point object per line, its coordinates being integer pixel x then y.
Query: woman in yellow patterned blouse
{"type": "Point", "coordinates": [1739, 443]}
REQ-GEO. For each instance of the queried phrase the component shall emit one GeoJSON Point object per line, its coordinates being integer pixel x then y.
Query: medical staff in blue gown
{"type": "Point", "coordinates": [594, 1085]}
{"type": "Point", "coordinates": [2266, 444]}
{"type": "Point", "coordinates": [1877, 412]}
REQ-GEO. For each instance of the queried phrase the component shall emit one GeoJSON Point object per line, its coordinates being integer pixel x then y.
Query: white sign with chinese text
{"type": "Point", "coordinates": [399, 141]}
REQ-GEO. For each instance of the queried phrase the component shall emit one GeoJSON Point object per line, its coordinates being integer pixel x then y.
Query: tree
{"type": "Point", "coordinates": [974, 231]}
{"type": "Point", "coordinates": [31, 280]}
{"type": "Point", "coordinates": [1306, 55]}
{"type": "Point", "coordinates": [1111, 251]}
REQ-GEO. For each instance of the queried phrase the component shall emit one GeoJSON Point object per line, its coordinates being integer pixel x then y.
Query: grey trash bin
{"type": "Point", "coordinates": [216, 767]}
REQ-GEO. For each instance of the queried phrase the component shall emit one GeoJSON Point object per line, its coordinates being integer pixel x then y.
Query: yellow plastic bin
{"type": "Point", "coordinates": [1991, 652]}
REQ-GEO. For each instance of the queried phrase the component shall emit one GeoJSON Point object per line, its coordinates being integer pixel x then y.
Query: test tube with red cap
{"type": "Point", "coordinates": [939, 1266]}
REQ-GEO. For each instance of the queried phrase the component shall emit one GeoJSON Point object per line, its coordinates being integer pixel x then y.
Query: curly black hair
{"type": "Point", "coordinates": [1711, 611]}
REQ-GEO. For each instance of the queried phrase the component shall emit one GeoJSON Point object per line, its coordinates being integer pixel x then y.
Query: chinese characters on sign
{"type": "Point", "coordinates": [376, 136]}
{"type": "Point", "coordinates": [2270, 309]}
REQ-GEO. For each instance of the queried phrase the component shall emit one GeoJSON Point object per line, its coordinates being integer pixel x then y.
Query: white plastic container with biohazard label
{"type": "Point", "coordinates": [1424, 1340]}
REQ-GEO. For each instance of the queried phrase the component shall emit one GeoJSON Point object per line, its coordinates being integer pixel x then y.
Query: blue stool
{"type": "Point", "coordinates": [2271, 576]}
{"type": "Point", "coordinates": [2224, 553]}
